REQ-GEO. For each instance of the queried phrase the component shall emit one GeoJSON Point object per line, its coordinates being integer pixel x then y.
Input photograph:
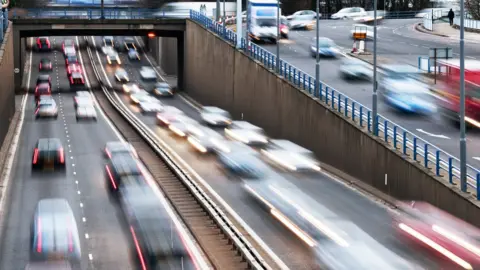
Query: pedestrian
{"type": "Point", "coordinates": [451, 15]}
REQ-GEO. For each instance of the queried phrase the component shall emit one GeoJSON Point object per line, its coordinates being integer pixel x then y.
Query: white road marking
{"type": "Point", "coordinates": [432, 135]}
{"type": "Point", "coordinates": [476, 158]}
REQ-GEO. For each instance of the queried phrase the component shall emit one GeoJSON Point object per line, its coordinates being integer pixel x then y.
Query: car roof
{"type": "Point", "coordinates": [45, 101]}
{"type": "Point", "coordinates": [56, 205]}
{"type": "Point", "coordinates": [49, 143]}
{"type": "Point", "coordinates": [212, 109]}
{"type": "Point", "coordinates": [289, 146]}
{"type": "Point", "coordinates": [118, 145]}
{"type": "Point", "coordinates": [125, 164]}
{"type": "Point", "coordinates": [76, 75]}
{"type": "Point", "coordinates": [71, 55]}
{"type": "Point", "coordinates": [112, 53]}
{"type": "Point", "coordinates": [85, 108]}
{"type": "Point", "coordinates": [244, 125]}
{"type": "Point", "coordinates": [69, 41]}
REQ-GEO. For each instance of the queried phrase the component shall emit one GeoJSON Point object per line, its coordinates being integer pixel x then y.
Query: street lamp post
{"type": "Point", "coordinates": [375, 84]}
{"type": "Point", "coordinates": [277, 63]}
{"type": "Point", "coordinates": [463, 140]}
{"type": "Point", "coordinates": [239, 24]}
{"type": "Point", "coordinates": [217, 11]}
{"type": "Point", "coordinates": [317, 63]}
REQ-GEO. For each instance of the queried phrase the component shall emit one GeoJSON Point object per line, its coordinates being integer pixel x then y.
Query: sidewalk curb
{"type": "Point", "coordinates": [471, 30]}
{"type": "Point", "coordinates": [419, 27]}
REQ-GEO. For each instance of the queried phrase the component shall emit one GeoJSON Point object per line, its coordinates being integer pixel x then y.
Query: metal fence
{"type": "Point", "coordinates": [472, 24]}
{"type": "Point", "coordinates": [438, 161]}
{"type": "Point", "coordinates": [3, 23]}
{"type": "Point", "coordinates": [91, 13]}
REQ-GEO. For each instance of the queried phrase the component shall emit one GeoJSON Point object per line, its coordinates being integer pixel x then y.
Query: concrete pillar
{"type": "Point", "coordinates": [168, 55]}
{"type": "Point", "coordinates": [18, 59]}
{"type": "Point", "coordinates": [180, 61]}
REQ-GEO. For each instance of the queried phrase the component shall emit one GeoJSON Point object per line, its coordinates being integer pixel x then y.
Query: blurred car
{"type": "Point", "coordinates": [162, 89]}
{"type": "Point", "coordinates": [46, 108]}
{"type": "Point", "coordinates": [133, 55]}
{"type": "Point", "coordinates": [45, 65]}
{"type": "Point", "coordinates": [113, 58]}
{"type": "Point", "coordinates": [291, 156]}
{"type": "Point", "coordinates": [169, 114]}
{"type": "Point", "coordinates": [54, 233]}
{"type": "Point", "coordinates": [215, 116]}
{"type": "Point", "coordinates": [432, 228]}
{"type": "Point", "coordinates": [77, 79]}
{"type": "Point", "coordinates": [151, 106]}
{"type": "Point", "coordinates": [109, 41]}
{"type": "Point", "coordinates": [86, 113]}
{"type": "Point", "coordinates": [349, 13]}
{"type": "Point", "coordinates": [119, 148]}
{"type": "Point", "coordinates": [68, 44]}
{"type": "Point", "coordinates": [44, 78]}
{"type": "Point", "coordinates": [83, 94]}
{"type": "Point", "coordinates": [206, 140]}
{"type": "Point", "coordinates": [140, 96]}
{"type": "Point", "coordinates": [44, 98]}
{"type": "Point", "coordinates": [284, 28]}
{"type": "Point", "coordinates": [302, 14]}
{"type": "Point", "coordinates": [73, 68]}
{"type": "Point", "coordinates": [49, 265]}
{"type": "Point", "coordinates": [43, 44]}
{"type": "Point", "coordinates": [83, 101]}
{"type": "Point", "coordinates": [48, 153]}
{"type": "Point", "coordinates": [121, 166]}
{"type": "Point", "coordinates": [148, 73]}
{"type": "Point", "coordinates": [181, 125]}
{"type": "Point", "coordinates": [362, 28]}
{"type": "Point", "coordinates": [352, 68]}
{"type": "Point", "coordinates": [42, 90]}
{"type": "Point", "coordinates": [121, 75]}
{"type": "Point", "coordinates": [247, 133]}
{"type": "Point", "coordinates": [71, 59]}
{"type": "Point", "coordinates": [131, 88]}
{"type": "Point", "coordinates": [326, 47]}
{"type": "Point", "coordinates": [69, 51]}
{"type": "Point", "coordinates": [241, 160]}
{"type": "Point", "coordinates": [129, 43]}
{"type": "Point", "coordinates": [403, 92]}
{"type": "Point", "coordinates": [154, 236]}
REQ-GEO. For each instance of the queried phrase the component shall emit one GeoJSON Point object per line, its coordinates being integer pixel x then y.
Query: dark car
{"type": "Point", "coordinates": [54, 234]}
{"type": "Point", "coordinates": [77, 79]}
{"type": "Point", "coordinates": [44, 78]}
{"type": "Point", "coordinates": [162, 89]}
{"type": "Point", "coordinates": [42, 89]}
{"type": "Point", "coordinates": [154, 238]}
{"type": "Point", "coordinates": [43, 44]}
{"type": "Point", "coordinates": [45, 65]}
{"type": "Point", "coordinates": [119, 148]}
{"type": "Point", "coordinates": [119, 167]}
{"type": "Point", "coordinates": [129, 44]}
{"type": "Point", "coordinates": [71, 59]}
{"type": "Point", "coordinates": [108, 41]}
{"type": "Point", "coordinates": [46, 109]}
{"type": "Point", "coordinates": [48, 153]}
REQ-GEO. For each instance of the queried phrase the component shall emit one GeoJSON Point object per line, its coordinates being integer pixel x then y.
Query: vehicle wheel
{"type": "Point", "coordinates": [314, 55]}
{"type": "Point", "coordinates": [344, 18]}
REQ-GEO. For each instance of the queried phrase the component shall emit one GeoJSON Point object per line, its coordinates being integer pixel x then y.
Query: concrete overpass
{"type": "Point", "coordinates": [214, 72]}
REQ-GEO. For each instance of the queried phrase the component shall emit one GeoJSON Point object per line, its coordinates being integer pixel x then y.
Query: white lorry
{"type": "Point", "coordinates": [262, 20]}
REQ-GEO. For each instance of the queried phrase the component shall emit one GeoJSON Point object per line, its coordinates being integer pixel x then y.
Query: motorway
{"type": "Point", "coordinates": [400, 42]}
{"type": "Point", "coordinates": [104, 243]}
{"type": "Point", "coordinates": [370, 216]}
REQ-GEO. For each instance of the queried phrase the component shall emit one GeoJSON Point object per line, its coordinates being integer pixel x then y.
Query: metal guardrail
{"type": "Point", "coordinates": [430, 156]}
{"type": "Point", "coordinates": [91, 13]}
{"type": "Point", "coordinates": [242, 245]}
{"type": "Point", "coordinates": [472, 24]}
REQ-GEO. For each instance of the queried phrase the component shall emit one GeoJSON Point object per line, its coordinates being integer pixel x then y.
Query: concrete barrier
{"type": "Point", "coordinates": [7, 87]}
{"type": "Point", "coordinates": [218, 74]}
{"type": "Point", "coordinates": [165, 52]}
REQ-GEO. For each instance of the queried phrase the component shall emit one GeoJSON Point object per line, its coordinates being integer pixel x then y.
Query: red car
{"type": "Point", "coordinates": [73, 68]}
{"type": "Point", "coordinates": [45, 65]}
{"type": "Point", "coordinates": [77, 79]}
{"type": "Point", "coordinates": [43, 44]}
{"type": "Point", "coordinates": [42, 89]}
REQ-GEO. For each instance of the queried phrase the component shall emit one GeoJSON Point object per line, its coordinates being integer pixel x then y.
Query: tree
{"type": "Point", "coordinates": [473, 7]}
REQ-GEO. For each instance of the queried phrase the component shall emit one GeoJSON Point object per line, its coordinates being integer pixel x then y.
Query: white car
{"type": "Point", "coordinates": [150, 106]}
{"type": "Point", "coordinates": [247, 133]}
{"type": "Point", "coordinates": [302, 15]}
{"type": "Point", "coordinates": [121, 75]}
{"type": "Point", "coordinates": [148, 73]}
{"type": "Point", "coordinates": [205, 140]}
{"type": "Point", "coordinates": [215, 116]}
{"type": "Point", "coordinates": [291, 156]}
{"type": "Point", "coordinates": [181, 125]}
{"type": "Point", "coordinates": [113, 58]}
{"type": "Point", "coordinates": [133, 55]}
{"type": "Point", "coordinates": [140, 96]}
{"type": "Point", "coordinates": [86, 112]}
{"type": "Point", "coordinates": [303, 19]}
{"type": "Point", "coordinates": [349, 13]}
{"type": "Point", "coordinates": [131, 88]}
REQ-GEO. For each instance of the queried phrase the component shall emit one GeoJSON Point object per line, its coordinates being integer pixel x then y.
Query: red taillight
{"type": "Point", "coordinates": [39, 235]}
{"type": "Point", "coordinates": [37, 109]}
{"type": "Point", "coordinates": [68, 70]}
{"type": "Point", "coordinates": [40, 67]}
{"type": "Point", "coordinates": [62, 155]}
{"type": "Point", "coordinates": [36, 89]}
{"type": "Point", "coordinates": [83, 81]}
{"type": "Point", "coordinates": [49, 90]}
{"type": "Point", "coordinates": [70, 239]}
{"type": "Point", "coordinates": [108, 153]}
{"type": "Point", "coordinates": [35, 156]}
{"type": "Point", "coordinates": [111, 177]}
{"type": "Point", "coordinates": [66, 61]}
{"type": "Point", "coordinates": [48, 43]}
{"type": "Point", "coordinates": [139, 251]}
{"type": "Point", "coordinates": [71, 80]}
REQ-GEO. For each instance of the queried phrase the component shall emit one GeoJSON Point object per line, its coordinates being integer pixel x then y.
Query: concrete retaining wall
{"type": "Point", "coordinates": [217, 74]}
{"type": "Point", "coordinates": [7, 87]}
{"type": "Point", "coordinates": [167, 54]}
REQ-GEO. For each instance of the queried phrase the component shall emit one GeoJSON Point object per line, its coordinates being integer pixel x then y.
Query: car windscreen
{"type": "Point", "coordinates": [266, 22]}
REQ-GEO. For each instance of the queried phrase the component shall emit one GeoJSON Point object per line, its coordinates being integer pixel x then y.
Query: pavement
{"type": "Point", "coordinates": [450, 32]}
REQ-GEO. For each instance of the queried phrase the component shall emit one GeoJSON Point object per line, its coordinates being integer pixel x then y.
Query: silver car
{"type": "Point", "coordinates": [47, 108]}
{"type": "Point", "coordinates": [148, 73]}
{"type": "Point", "coordinates": [86, 113]}
{"type": "Point", "coordinates": [247, 133]}
{"type": "Point", "coordinates": [355, 69]}
{"type": "Point", "coordinates": [215, 116]}
{"type": "Point", "coordinates": [150, 106]}
{"type": "Point", "coordinates": [121, 75]}
{"type": "Point", "coordinates": [290, 156]}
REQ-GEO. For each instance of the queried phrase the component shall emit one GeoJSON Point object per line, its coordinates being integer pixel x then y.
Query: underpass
{"type": "Point", "coordinates": [350, 206]}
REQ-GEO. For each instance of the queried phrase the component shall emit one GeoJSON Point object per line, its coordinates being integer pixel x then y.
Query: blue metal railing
{"type": "Point", "coordinates": [435, 159]}
{"type": "Point", "coordinates": [3, 23]}
{"type": "Point", "coordinates": [91, 13]}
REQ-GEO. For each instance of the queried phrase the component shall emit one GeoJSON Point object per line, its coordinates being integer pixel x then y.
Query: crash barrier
{"type": "Point", "coordinates": [92, 13]}
{"type": "Point", "coordinates": [472, 24]}
{"type": "Point", "coordinates": [430, 156]}
{"type": "Point", "coordinates": [427, 64]}
{"type": "Point", "coordinates": [74, 3]}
